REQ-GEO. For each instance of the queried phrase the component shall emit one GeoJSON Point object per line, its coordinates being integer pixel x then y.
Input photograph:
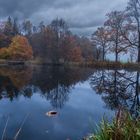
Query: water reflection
{"type": "Point", "coordinates": [12, 80]}
{"type": "Point", "coordinates": [53, 83]}
{"type": "Point", "coordinates": [78, 94]}
{"type": "Point", "coordinates": [118, 88]}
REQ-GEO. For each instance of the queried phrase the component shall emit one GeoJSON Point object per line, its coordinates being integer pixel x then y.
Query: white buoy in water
{"type": "Point", "coordinates": [51, 113]}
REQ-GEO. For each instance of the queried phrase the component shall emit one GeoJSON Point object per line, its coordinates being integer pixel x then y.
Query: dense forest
{"type": "Point", "coordinates": [55, 43]}
{"type": "Point", "coordinates": [49, 43]}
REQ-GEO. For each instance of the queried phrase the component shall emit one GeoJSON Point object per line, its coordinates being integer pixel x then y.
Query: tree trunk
{"type": "Point", "coordinates": [136, 101]}
{"type": "Point", "coordinates": [137, 89]}
{"type": "Point", "coordinates": [139, 50]}
{"type": "Point", "coordinates": [116, 57]}
{"type": "Point", "coordinates": [138, 54]}
{"type": "Point", "coordinates": [103, 54]}
{"type": "Point", "coordinates": [116, 49]}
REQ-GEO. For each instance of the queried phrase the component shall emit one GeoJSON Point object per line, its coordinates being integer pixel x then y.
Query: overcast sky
{"type": "Point", "coordinates": [83, 16]}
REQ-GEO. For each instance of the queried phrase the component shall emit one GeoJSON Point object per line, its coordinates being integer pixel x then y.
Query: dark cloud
{"type": "Point", "coordinates": [24, 8]}
{"type": "Point", "coordinates": [82, 15]}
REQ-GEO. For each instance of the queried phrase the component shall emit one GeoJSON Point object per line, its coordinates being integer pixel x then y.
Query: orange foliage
{"type": "Point", "coordinates": [4, 54]}
{"type": "Point", "coordinates": [19, 49]}
{"type": "Point", "coordinates": [76, 54]}
{"type": "Point", "coordinates": [19, 77]}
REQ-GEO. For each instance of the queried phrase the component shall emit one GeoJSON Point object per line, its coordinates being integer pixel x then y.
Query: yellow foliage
{"type": "Point", "coordinates": [4, 53]}
{"type": "Point", "coordinates": [19, 49]}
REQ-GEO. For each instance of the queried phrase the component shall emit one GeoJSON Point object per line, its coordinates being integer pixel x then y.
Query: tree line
{"type": "Point", "coordinates": [55, 43]}
{"type": "Point", "coordinates": [52, 43]}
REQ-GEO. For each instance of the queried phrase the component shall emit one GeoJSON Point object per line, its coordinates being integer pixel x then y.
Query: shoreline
{"type": "Point", "coordinates": [95, 64]}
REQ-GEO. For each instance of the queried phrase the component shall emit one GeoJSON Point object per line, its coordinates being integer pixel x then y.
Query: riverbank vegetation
{"type": "Point", "coordinates": [55, 43]}
{"type": "Point", "coordinates": [123, 127]}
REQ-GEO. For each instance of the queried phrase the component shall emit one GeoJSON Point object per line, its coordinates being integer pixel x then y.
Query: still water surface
{"type": "Point", "coordinates": [81, 96]}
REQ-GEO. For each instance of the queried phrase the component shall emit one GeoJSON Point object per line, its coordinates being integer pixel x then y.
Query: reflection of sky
{"type": "Point", "coordinates": [74, 120]}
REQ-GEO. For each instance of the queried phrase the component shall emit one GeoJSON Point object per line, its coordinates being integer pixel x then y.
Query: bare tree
{"type": "Point", "coordinates": [133, 16]}
{"type": "Point", "coordinates": [100, 38]}
{"type": "Point", "coordinates": [114, 25]}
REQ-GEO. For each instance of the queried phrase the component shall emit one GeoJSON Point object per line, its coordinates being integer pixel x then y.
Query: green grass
{"type": "Point", "coordinates": [123, 127]}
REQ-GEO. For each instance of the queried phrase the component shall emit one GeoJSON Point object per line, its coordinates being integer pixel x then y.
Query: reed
{"type": "Point", "coordinates": [20, 128]}
{"type": "Point", "coordinates": [123, 127]}
{"type": "Point", "coordinates": [4, 130]}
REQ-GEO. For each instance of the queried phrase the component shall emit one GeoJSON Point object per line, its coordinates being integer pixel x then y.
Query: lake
{"type": "Point", "coordinates": [80, 96]}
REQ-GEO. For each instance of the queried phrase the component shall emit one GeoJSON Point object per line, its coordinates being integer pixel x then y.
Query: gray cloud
{"type": "Point", "coordinates": [83, 16]}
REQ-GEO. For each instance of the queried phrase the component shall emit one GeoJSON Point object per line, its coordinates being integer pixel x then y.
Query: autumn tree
{"type": "Point", "coordinates": [51, 51]}
{"type": "Point", "coordinates": [19, 49]}
{"type": "Point", "coordinates": [100, 38]}
{"type": "Point", "coordinates": [52, 43]}
{"type": "Point", "coordinates": [75, 54]}
{"type": "Point", "coordinates": [87, 48]}
{"type": "Point", "coordinates": [44, 45]}
{"type": "Point", "coordinates": [66, 46]}
{"type": "Point", "coordinates": [60, 28]}
{"type": "Point", "coordinates": [114, 25]}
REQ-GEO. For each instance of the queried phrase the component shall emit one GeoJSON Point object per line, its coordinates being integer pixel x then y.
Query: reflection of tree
{"type": "Point", "coordinates": [48, 78]}
{"type": "Point", "coordinates": [20, 76]}
{"type": "Point", "coordinates": [53, 83]}
{"type": "Point", "coordinates": [13, 79]}
{"type": "Point", "coordinates": [7, 89]}
{"type": "Point", "coordinates": [57, 82]}
{"type": "Point", "coordinates": [135, 107]}
{"type": "Point", "coordinates": [58, 96]}
{"type": "Point", "coordinates": [118, 88]}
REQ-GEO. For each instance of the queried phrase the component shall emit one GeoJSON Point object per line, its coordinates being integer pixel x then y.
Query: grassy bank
{"type": "Point", "coordinates": [93, 64]}
{"type": "Point", "coordinates": [113, 65]}
{"type": "Point", "coordinates": [123, 127]}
